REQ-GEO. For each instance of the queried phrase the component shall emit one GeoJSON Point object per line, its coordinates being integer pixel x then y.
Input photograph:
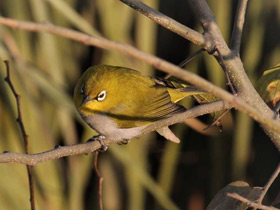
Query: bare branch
{"type": "Point", "coordinates": [250, 203]}
{"type": "Point", "coordinates": [231, 61]}
{"type": "Point", "coordinates": [58, 152]}
{"type": "Point", "coordinates": [17, 97]}
{"type": "Point", "coordinates": [217, 120]}
{"type": "Point", "coordinates": [199, 127]}
{"type": "Point", "coordinates": [222, 63]}
{"type": "Point", "coordinates": [100, 180]}
{"type": "Point", "coordinates": [269, 183]}
{"type": "Point", "coordinates": [189, 58]}
{"type": "Point", "coordinates": [234, 65]}
{"type": "Point", "coordinates": [88, 147]}
{"type": "Point", "coordinates": [235, 41]}
{"type": "Point", "coordinates": [190, 113]}
{"type": "Point", "coordinates": [253, 106]}
{"type": "Point", "coordinates": [171, 24]}
{"type": "Point", "coordinates": [24, 135]}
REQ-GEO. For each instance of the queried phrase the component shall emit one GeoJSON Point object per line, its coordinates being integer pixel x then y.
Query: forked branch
{"type": "Point", "coordinates": [258, 204]}
{"type": "Point", "coordinates": [268, 184]}
{"type": "Point", "coordinates": [250, 203]}
{"type": "Point", "coordinates": [231, 59]}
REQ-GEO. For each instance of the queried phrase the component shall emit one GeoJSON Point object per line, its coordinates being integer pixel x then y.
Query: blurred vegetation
{"type": "Point", "coordinates": [149, 173]}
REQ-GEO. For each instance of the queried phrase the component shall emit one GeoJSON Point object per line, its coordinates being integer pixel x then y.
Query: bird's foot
{"type": "Point", "coordinates": [100, 138]}
{"type": "Point", "coordinates": [124, 142]}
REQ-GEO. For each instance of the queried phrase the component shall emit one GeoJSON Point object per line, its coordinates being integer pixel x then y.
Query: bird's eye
{"type": "Point", "coordinates": [101, 96]}
{"type": "Point", "coordinates": [82, 91]}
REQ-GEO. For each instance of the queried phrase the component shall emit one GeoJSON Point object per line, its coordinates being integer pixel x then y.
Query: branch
{"type": "Point", "coordinates": [232, 62]}
{"type": "Point", "coordinates": [258, 203]}
{"type": "Point", "coordinates": [17, 97]}
{"type": "Point", "coordinates": [24, 135]}
{"type": "Point", "coordinates": [235, 41]}
{"type": "Point", "coordinates": [222, 64]}
{"type": "Point", "coordinates": [171, 24]}
{"type": "Point", "coordinates": [100, 180]}
{"type": "Point", "coordinates": [264, 116]}
{"type": "Point", "coordinates": [269, 183]}
{"type": "Point", "coordinates": [58, 152]}
{"type": "Point", "coordinates": [250, 203]}
{"type": "Point", "coordinates": [190, 113]}
{"type": "Point", "coordinates": [233, 65]}
{"type": "Point", "coordinates": [89, 147]}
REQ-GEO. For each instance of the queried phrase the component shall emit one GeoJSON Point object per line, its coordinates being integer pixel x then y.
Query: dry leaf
{"type": "Point", "coordinates": [221, 201]}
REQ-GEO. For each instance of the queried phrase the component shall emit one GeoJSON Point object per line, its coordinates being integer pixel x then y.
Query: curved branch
{"type": "Point", "coordinates": [264, 116]}
{"type": "Point", "coordinates": [34, 159]}
{"type": "Point", "coordinates": [88, 147]}
{"type": "Point", "coordinates": [171, 24]}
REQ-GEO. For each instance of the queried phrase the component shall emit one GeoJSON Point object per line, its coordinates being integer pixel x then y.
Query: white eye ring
{"type": "Point", "coordinates": [101, 96]}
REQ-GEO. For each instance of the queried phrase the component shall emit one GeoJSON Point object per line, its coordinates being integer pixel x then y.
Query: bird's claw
{"type": "Point", "coordinates": [100, 139]}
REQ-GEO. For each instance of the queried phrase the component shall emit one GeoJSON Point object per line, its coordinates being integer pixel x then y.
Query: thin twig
{"type": "Point", "coordinates": [216, 121]}
{"type": "Point", "coordinates": [229, 83]}
{"type": "Point", "coordinates": [17, 97]}
{"type": "Point", "coordinates": [100, 180]}
{"type": "Point", "coordinates": [250, 203]}
{"type": "Point", "coordinates": [187, 60]}
{"type": "Point", "coordinates": [24, 135]}
{"type": "Point", "coordinates": [222, 63]}
{"type": "Point", "coordinates": [268, 184]}
{"type": "Point", "coordinates": [235, 41]}
{"type": "Point", "coordinates": [199, 126]}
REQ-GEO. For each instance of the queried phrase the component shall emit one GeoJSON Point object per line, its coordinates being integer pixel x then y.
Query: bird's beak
{"type": "Point", "coordinates": [85, 100]}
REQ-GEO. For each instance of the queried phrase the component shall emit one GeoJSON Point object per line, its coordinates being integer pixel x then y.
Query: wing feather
{"type": "Point", "coordinates": [160, 106]}
{"type": "Point", "coordinates": [150, 104]}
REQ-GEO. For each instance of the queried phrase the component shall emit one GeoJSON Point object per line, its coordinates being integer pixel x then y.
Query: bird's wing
{"type": "Point", "coordinates": [155, 106]}
{"type": "Point", "coordinates": [159, 106]}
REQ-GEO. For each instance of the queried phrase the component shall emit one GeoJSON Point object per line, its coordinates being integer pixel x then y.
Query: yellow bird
{"type": "Point", "coordinates": [119, 102]}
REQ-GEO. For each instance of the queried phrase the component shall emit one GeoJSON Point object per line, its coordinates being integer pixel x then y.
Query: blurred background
{"type": "Point", "coordinates": [148, 173]}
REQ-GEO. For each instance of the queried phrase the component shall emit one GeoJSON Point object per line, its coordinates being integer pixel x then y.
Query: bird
{"type": "Point", "coordinates": [119, 102]}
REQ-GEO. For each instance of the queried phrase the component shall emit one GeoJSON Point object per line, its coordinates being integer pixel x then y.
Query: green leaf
{"type": "Point", "coordinates": [268, 85]}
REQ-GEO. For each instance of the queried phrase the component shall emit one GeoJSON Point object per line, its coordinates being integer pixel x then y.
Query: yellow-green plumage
{"type": "Point", "coordinates": [131, 101]}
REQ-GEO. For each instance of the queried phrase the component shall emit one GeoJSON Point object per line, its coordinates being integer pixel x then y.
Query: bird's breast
{"type": "Point", "coordinates": [106, 126]}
